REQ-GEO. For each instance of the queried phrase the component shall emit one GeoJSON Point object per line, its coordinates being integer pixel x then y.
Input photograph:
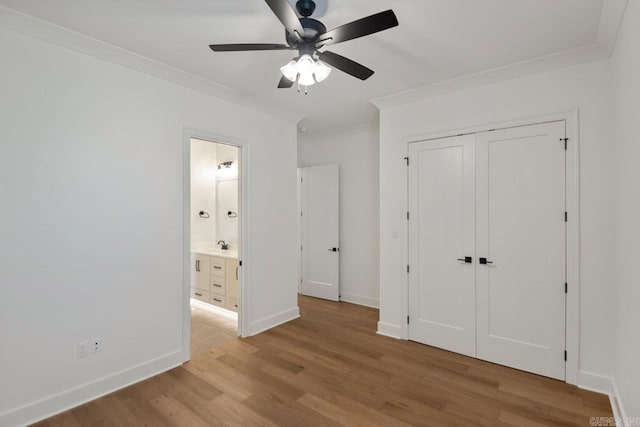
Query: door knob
{"type": "Point", "coordinates": [484, 261]}
{"type": "Point", "coordinates": [333, 249]}
{"type": "Point", "coordinates": [467, 259]}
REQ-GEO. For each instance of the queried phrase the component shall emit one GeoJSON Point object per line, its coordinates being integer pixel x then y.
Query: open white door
{"type": "Point", "coordinates": [320, 232]}
{"type": "Point", "coordinates": [521, 244]}
{"type": "Point", "coordinates": [442, 244]}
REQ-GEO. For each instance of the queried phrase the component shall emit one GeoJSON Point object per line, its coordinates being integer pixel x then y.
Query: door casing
{"type": "Point", "coordinates": [244, 246]}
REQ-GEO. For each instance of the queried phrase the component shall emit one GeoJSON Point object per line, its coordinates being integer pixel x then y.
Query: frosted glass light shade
{"type": "Point", "coordinates": [290, 71]}
{"type": "Point", "coordinates": [306, 64]}
{"type": "Point", "coordinates": [306, 67]}
{"type": "Point", "coordinates": [321, 71]}
{"type": "Point", "coordinates": [306, 79]}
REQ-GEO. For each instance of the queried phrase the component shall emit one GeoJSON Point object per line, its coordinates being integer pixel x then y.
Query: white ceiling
{"type": "Point", "coordinates": [437, 40]}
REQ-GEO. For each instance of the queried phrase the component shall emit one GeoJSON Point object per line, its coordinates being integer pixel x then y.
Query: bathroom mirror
{"type": "Point", "coordinates": [227, 210]}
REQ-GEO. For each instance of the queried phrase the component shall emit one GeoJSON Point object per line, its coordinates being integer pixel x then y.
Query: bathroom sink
{"type": "Point", "coordinates": [229, 253]}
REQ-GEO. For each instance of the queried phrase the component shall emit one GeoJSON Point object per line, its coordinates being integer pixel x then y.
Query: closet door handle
{"type": "Point", "coordinates": [236, 272]}
{"type": "Point", "coordinates": [484, 261]}
{"type": "Point", "coordinates": [197, 265]}
{"type": "Point", "coordinates": [466, 260]}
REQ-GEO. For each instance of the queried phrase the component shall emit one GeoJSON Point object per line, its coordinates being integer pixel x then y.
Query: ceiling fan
{"type": "Point", "coordinates": [308, 36]}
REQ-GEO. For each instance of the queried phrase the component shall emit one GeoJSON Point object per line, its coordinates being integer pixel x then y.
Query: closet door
{"type": "Point", "coordinates": [320, 232]}
{"type": "Point", "coordinates": [441, 235]}
{"type": "Point", "coordinates": [521, 234]}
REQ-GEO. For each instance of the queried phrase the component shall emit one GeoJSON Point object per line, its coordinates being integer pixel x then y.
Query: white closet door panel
{"type": "Point", "coordinates": [521, 232]}
{"type": "Point", "coordinates": [441, 230]}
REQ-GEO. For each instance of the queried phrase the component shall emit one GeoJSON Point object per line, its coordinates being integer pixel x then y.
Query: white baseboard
{"type": "Point", "coordinates": [60, 402]}
{"type": "Point", "coordinates": [389, 330]}
{"type": "Point", "coordinates": [594, 382]}
{"type": "Point", "coordinates": [616, 404]}
{"type": "Point", "coordinates": [605, 385]}
{"type": "Point", "coordinates": [360, 300]}
{"type": "Point", "coordinates": [272, 321]}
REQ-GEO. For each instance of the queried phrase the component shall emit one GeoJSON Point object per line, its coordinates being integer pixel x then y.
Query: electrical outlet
{"type": "Point", "coordinates": [83, 348]}
{"type": "Point", "coordinates": [96, 345]}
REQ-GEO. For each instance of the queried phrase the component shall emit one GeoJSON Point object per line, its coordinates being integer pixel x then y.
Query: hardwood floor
{"type": "Point", "coordinates": [330, 368]}
{"type": "Point", "coordinates": [209, 330]}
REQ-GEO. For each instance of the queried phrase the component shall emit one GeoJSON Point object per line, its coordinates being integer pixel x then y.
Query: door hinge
{"type": "Point", "coordinates": [408, 320]}
{"type": "Point", "coordinates": [240, 263]}
{"type": "Point", "coordinates": [566, 288]}
{"type": "Point", "coordinates": [565, 355]}
{"type": "Point", "coordinates": [566, 142]}
{"type": "Point", "coordinates": [566, 216]}
{"type": "Point", "coordinates": [407, 159]}
{"type": "Point", "coordinates": [407, 268]}
{"type": "Point", "coordinates": [407, 215]}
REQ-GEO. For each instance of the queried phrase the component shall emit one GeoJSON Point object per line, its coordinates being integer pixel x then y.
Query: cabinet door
{"type": "Point", "coordinates": [232, 278]}
{"type": "Point", "coordinates": [442, 244]}
{"type": "Point", "coordinates": [200, 273]}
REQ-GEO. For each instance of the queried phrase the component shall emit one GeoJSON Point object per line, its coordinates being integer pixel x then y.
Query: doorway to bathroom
{"type": "Point", "coordinates": [214, 243]}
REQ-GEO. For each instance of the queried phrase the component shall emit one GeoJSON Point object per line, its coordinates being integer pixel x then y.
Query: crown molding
{"type": "Point", "coordinates": [52, 33]}
{"type": "Point", "coordinates": [305, 137]}
{"type": "Point", "coordinates": [610, 21]}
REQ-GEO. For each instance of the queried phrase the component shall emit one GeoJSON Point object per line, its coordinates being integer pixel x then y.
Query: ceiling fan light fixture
{"type": "Point", "coordinates": [306, 70]}
{"type": "Point", "coordinates": [290, 70]}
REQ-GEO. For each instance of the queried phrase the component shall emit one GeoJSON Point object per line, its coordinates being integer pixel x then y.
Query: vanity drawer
{"type": "Point", "coordinates": [218, 286]}
{"type": "Point", "coordinates": [232, 304]}
{"type": "Point", "coordinates": [218, 300]}
{"type": "Point", "coordinates": [217, 267]}
{"type": "Point", "coordinates": [200, 295]}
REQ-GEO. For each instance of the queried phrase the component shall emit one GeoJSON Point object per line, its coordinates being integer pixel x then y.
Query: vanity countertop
{"type": "Point", "coordinates": [229, 253]}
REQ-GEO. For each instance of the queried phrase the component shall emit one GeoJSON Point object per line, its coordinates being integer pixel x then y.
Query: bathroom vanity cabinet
{"type": "Point", "coordinates": [214, 278]}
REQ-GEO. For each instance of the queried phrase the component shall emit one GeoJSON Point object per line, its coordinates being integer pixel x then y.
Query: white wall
{"type": "Point", "coordinates": [356, 153]}
{"type": "Point", "coordinates": [91, 223]}
{"type": "Point", "coordinates": [626, 79]}
{"type": "Point", "coordinates": [203, 192]}
{"type": "Point", "coordinates": [227, 228]}
{"type": "Point", "coordinates": [586, 87]}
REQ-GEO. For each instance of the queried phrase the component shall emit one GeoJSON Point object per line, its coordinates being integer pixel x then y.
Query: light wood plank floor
{"type": "Point", "coordinates": [330, 368]}
{"type": "Point", "coordinates": [209, 330]}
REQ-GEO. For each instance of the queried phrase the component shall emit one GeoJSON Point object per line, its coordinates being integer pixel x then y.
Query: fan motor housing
{"type": "Point", "coordinates": [312, 30]}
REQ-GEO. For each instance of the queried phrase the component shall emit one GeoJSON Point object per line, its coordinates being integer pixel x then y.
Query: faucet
{"type": "Point", "coordinates": [224, 245]}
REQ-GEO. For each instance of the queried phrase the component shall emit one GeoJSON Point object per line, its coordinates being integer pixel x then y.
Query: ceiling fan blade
{"type": "Point", "coordinates": [241, 47]}
{"type": "Point", "coordinates": [362, 27]}
{"type": "Point", "coordinates": [346, 65]}
{"type": "Point", "coordinates": [285, 83]}
{"type": "Point", "coordinates": [287, 15]}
